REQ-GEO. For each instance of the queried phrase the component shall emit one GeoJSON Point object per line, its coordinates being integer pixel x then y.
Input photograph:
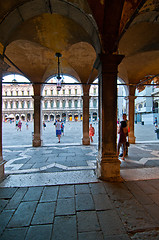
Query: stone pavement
{"type": "Point", "coordinates": [72, 134]}
{"type": "Point", "coordinates": [52, 193]}
{"type": "Point", "coordinates": [94, 211]}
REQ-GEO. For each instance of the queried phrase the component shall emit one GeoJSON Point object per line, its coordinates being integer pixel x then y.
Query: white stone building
{"type": "Point", "coordinates": [65, 104]}
{"type": "Point", "coordinates": [147, 105]}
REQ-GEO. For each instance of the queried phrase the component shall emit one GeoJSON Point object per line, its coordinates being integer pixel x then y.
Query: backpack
{"type": "Point", "coordinates": [125, 130]}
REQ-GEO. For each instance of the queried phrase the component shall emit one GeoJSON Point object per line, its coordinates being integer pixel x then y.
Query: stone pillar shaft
{"type": "Point", "coordinates": [131, 113]}
{"type": "Point", "coordinates": [86, 139]}
{"type": "Point", "coordinates": [3, 67]}
{"type": "Point", "coordinates": [1, 115]}
{"type": "Point", "coordinates": [37, 142]}
{"type": "Point", "coordinates": [108, 165]}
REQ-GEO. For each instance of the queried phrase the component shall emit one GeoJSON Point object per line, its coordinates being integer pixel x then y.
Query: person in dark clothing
{"type": "Point", "coordinates": [123, 131]}
{"type": "Point", "coordinates": [127, 142]}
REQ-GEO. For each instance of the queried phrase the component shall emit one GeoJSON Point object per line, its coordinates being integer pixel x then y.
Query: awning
{"type": "Point", "coordinates": [11, 116]}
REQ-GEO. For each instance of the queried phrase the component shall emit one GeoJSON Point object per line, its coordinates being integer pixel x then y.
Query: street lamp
{"type": "Point", "coordinates": [14, 79]}
{"type": "Point", "coordinates": [59, 78]}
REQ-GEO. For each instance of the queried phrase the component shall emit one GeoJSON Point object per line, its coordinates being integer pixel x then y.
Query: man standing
{"type": "Point", "coordinates": [58, 130]}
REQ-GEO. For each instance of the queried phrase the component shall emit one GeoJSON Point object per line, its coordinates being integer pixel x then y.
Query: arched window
{"type": "Point", "coordinates": [63, 103]}
{"type": "Point", "coordinates": [11, 105]}
{"type": "Point", "coordinates": [52, 104]}
{"type": "Point", "coordinates": [155, 107]}
{"type": "Point", "coordinates": [6, 105]}
{"type": "Point", "coordinates": [28, 104]}
{"type": "Point", "coordinates": [58, 103]}
{"type": "Point", "coordinates": [17, 104]}
{"type": "Point", "coordinates": [95, 103]}
{"type": "Point", "coordinates": [70, 103]}
{"type": "Point", "coordinates": [23, 104]}
{"type": "Point", "coordinates": [45, 105]}
{"type": "Point", "coordinates": [140, 106]}
{"type": "Point", "coordinates": [76, 103]}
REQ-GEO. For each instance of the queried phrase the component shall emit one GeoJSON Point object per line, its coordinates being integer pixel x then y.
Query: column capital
{"type": "Point", "coordinates": [132, 89]}
{"type": "Point", "coordinates": [110, 61]}
{"type": "Point", "coordinates": [37, 97]}
{"type": "Point", "coordinates": [85, 89]}
{"type": "Point", "coordinates": [37, 88]}
{"type": "Point", "coordinates": [130, 98]}
{"type": "Point", "coordinates": [86, 97]}
{"type": "Point", "coordinates": [3, 66]}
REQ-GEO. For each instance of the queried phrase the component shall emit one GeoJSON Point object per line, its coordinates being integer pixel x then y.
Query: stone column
{"type": "Point", "coordinates": [91, 117]}
{"type": "Point", "coordinates": [108, 164]}
{"type": "Point", "coordinates": [3, 67]}
{"type": "Point", "coordinates": [86, 139]}
{"type": "Point", "coordinates": [131, 98]}
{"type": "Point", "coordinates": [37, 142]}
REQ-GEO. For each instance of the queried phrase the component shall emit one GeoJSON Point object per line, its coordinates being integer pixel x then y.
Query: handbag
{"type": "Point", "coordinates": [127, 144]}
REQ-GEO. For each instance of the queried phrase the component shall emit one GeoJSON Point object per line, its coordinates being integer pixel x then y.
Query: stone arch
{"type": "Point", "coordinates": [34, 8]}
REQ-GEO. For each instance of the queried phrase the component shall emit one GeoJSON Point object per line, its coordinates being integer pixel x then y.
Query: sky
{"type": "Point", "coordinates": [20, 78]}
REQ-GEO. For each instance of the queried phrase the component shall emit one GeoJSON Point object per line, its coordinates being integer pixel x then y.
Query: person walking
{"type": "Point", "coordinates": [16, 124]}
{"type": "Point", "coordinates": [62, 128]}
{"type": "Point", "coordinates": [58, 130]}
{"type": "Point", "coordinates": [122, 131]}
{"type": "Point", "coordinates": [27, 125]}
{"type": "Point", "coordinates": [91, 132]}
{"type": "Point", "coordinates": [20, 125]}
{"type": "Point", "coordinates": [44, 125]}
{"type": "Point", "coordinates": [127, 140]}
{"type": "Point", "coordinates": [155, 122]}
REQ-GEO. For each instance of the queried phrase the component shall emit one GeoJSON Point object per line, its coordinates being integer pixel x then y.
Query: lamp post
{"type": "Point", "coordinates": [59, 78]}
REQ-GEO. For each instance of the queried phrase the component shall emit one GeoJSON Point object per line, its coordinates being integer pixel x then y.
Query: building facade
{"type": "Point", "coordinates": [66, 104]}
{"type": "Point", "coordinates": [147, 105]}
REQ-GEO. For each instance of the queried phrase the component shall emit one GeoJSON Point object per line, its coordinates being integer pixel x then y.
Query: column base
{"type": "Point", "coordinates": [37, 143]}
{"type": "Point", "coordinates": [86, 141]}
{"type": "Point", "coordinates": [2, 162]}
{"type": "Point", "coordinates": [108, 169]}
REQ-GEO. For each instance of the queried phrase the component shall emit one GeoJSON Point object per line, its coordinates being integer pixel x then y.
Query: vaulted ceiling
{"type": "Point", "coordinates": [32, 31]}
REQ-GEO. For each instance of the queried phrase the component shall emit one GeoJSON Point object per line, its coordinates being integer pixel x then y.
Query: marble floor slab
{"type": "Point", "coordinates": [44, 179]}
{"type": "Point", "coordinates": [140, 174]}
